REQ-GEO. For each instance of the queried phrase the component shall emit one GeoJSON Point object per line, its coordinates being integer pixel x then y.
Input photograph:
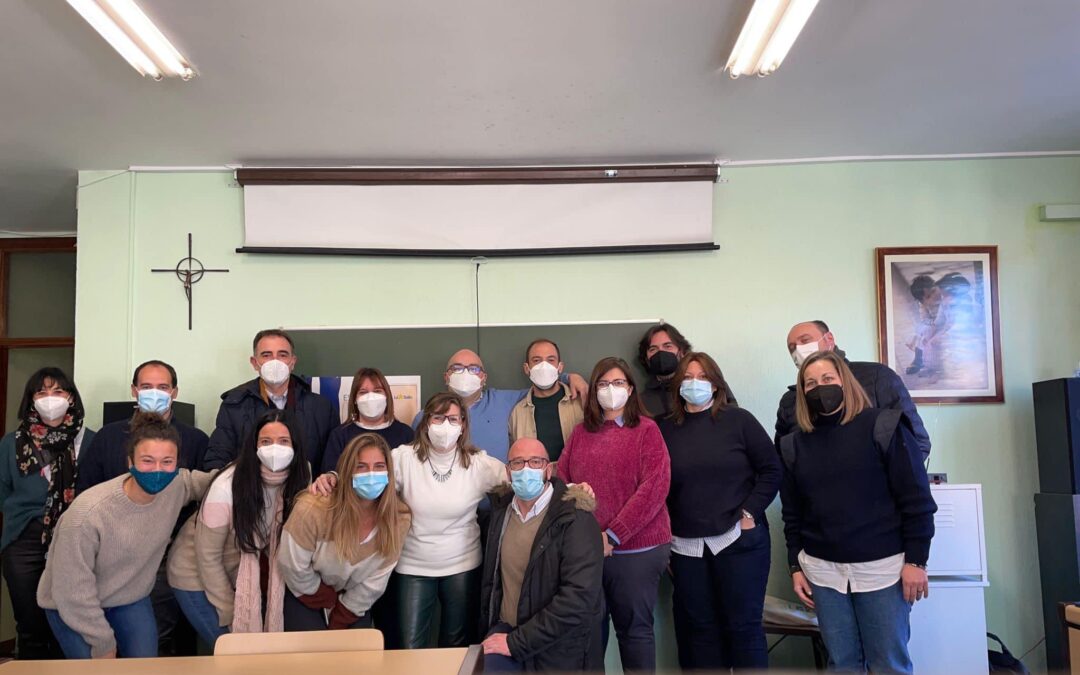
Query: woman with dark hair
{"type": "Point", "coordinates": [442, 477]}
{"type": "Point", "coordinates": [222, 566]}
{"type": "Point", "coordinates": [858, 518]}
{"type": "Point", "coordinates": [337, 552]}
{"type": "Point", "coordinates": [37, 483]}
{"type": "Point", "coordinates": [107, 549]}
{"type": "Point", "coordinates": [724, 473]}
{"type": "Point", "coordinates": [371, 410]}
{"type": "Point", "coordinates": [621, 454]}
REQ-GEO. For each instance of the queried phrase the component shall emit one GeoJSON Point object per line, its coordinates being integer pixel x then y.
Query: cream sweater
{"type": "Point", "coordinates": [106, 551]}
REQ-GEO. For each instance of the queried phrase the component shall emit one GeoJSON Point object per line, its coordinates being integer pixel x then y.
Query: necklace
{"type": "Point", "coordinates": [442, 477]}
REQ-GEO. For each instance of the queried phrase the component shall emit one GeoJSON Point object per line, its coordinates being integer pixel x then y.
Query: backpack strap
{"type": "Point", "coordinates": [885, 427]}
{"type": "Point", "coordinates": [787, 451]}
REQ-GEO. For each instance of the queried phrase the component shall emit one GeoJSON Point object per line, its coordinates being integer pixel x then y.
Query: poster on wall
{"type": "Point", "coordinates": [938, 322]}
{"type": "Point", "coordinates": [406, 390]}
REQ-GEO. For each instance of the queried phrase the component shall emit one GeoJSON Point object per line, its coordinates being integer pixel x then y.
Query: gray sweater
{"type": "Point", "coordinates": [106, 551]}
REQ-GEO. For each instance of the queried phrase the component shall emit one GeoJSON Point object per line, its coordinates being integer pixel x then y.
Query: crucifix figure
{"type": "Point", "coordinates": [189, 271]}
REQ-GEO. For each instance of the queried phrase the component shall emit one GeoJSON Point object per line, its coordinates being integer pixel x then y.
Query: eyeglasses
{"type": "Point", "coordinates": [604, 384]}
{"type": "Point", "coordinates": [533, 462]}
{"type": "Point", "coordinates": [454, 420]}
{"type": "Point", "coordinates": [458, 368]}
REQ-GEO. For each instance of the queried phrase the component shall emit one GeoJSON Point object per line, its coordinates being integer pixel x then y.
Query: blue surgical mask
{"type": "Point", "coordinates": [370, 485]}
{"type": "Point", "coordinates": [152, 482]}
{"type": "Point", "coordinates": [528, 483]}
{"type": "Point", "coordinates": [696, 392]}
{"type": "Point", "coordinates": [154, 401]}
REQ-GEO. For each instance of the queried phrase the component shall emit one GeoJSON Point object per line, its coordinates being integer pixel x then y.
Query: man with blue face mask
{"type": "Point", "coordinates": [543, 570]}
{"type": "Point", "coordinates": [154, 388]}
{"type": "Point", "coordinates": [883, 386]}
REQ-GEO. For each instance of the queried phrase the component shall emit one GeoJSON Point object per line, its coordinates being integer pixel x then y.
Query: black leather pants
{"type": "Point", "coordinates": [458, 598]}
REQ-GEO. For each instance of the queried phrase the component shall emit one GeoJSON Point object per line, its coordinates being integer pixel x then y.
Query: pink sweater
{"type": "Point", "coordinates": [630, 471]}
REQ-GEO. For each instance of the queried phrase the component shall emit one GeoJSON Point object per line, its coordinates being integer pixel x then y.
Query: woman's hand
{"type": "Point", "coordinates": [324, 485]}
{"type": "Point", "coordinates": [747, 523]}
{"type": "Point", "coordinates": [608, 548]}
{"type": "Point", "coordinates": [108, 655]}
{"type": "Point", "coordinates": [916, 583]}
{"type": "Point", "coordinates": [802, 589]}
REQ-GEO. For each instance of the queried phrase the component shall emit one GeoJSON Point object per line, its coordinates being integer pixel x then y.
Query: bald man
{"type": "Point", "coordinates": [489, 409]}
{"type": "Point", "coordinates": [543, 571]}
{"type": "Point", "coordinates": [883, 386]}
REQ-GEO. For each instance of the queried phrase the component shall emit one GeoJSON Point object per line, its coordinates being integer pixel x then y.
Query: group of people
{"type": "Point", "coordinates": [529, 519]}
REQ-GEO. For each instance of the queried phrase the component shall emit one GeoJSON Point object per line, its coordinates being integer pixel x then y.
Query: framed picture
{"type": "Point", "coordinates": [938, 322]}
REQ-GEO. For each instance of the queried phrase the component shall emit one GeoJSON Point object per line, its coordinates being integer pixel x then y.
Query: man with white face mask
{"type": "Point", "coordinates": [547, 413]}
{"type": "Point", "coordinates": [489, 409]}
{"type": "Point", "coordinates": [883, 386]}
{"type": "Point", "coordinates": [273, 358]}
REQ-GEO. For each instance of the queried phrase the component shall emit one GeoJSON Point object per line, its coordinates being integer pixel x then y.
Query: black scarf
{"type": "Point", "coordinates": [39, 447]}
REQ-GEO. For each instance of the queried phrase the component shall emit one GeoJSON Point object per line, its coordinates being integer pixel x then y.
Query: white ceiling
{"type": "Point", "coordinates": [505, 81]}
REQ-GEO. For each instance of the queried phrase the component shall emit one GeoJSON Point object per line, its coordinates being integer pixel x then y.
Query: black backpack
{"type": "Point", "coordinates": [1004, 661]}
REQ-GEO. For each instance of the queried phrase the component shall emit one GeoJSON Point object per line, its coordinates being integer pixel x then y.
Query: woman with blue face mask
{"type": "Point", "coordinates": [724, 473]}
{"type": "Point", "coordinates": [337, 551]}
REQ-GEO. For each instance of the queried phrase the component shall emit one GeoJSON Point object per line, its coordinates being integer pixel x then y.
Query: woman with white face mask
{"type": "Point", "coordinates": [442, 477]}
{"type": "Point", "coordinates": [621, 454]}
{"type": "Point", "coordinates": [371, 411]}
{"type": "Point", "coordinates": [37, 483]}
{"type": "Point", "coordinates": [219, 556]}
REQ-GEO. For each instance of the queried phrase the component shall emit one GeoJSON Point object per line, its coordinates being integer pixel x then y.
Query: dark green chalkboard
{"type": "Point", "coordinates": [424, 351]}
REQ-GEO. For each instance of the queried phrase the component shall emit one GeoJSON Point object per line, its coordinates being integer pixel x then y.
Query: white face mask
{"type": "Point", "coordinates": [371, 404]}
{"type": "Point", "coordinates": [544, 375]}
{"type": "Point", "coordinates": [52, 407]}
{"type": "Point", "coordinates": [443, 436]}
{"type": "Point", "coordinates": [613, 398]}
{"type": "Point", "coordinates": [464, 383]}
{"type": "Point", "coordinates": [803, 352]}
{"type": "Point", "coordinates": [274, 372]}
{"type": "Point", "coordinates": [275, 457]}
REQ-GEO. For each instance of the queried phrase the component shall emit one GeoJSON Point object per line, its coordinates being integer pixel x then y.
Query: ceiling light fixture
{"type": "Point", "coordinates": [767, 36]}
{"type": "Point", "coordinates": [131, 33]}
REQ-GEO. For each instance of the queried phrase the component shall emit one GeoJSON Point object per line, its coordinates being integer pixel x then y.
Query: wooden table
{"type": "Point", "coordinates": [392, 662]}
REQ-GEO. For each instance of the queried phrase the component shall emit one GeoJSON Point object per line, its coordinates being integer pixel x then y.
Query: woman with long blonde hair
{"type": "Point", "coordinates": [337, 551]}
{"type": "Point", "coordinates": [858, 517]}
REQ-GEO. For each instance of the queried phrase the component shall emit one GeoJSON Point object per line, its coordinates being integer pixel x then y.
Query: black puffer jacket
{"type": "Point", "coordinates": [558, 622]}
{"type": "Point", "coordinates": [240, 407]}
{"type": "Point", "coordinates": [882, 385]}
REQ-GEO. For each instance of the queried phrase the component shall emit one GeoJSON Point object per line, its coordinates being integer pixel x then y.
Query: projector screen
{"type": "Point", "coordinates": [487, 219]}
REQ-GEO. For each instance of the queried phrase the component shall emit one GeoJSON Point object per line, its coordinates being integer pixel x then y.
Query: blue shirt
{"type": "Point", "coordinates": [489, 420]}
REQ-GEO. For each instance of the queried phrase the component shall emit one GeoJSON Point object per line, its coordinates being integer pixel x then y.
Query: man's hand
{"type": "Point", "coordinates": [915, 582]}
{"type": "Point", "coordinates": [588, 489]}
{"type": "Point", "coordinates": [496, 644]}
{"type": "Point", "coordinates": [608, 548]}
{"type": "Point", "coordinates": [802, 589]}
{"type": "Point", "coordinates": [579, 388]}
{"type": "Point", "coordinates": [324, 485]}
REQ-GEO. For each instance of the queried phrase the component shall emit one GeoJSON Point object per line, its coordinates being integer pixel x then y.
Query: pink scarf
{"type": "Point", "coordinates": [247, 603]}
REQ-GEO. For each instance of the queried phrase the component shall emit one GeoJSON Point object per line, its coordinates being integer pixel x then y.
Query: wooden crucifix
{"type": "Point", "coordinates": [189, 271]}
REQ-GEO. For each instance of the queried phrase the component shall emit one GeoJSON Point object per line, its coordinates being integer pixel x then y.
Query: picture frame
{"type": "Point", "coordinates": [938, 322]}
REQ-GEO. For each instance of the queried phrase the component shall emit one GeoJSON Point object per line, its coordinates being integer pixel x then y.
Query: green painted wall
{"type": "Point", "coordinates": [796, 242]}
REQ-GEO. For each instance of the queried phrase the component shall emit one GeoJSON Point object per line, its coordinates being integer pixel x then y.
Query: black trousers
{"type": "Point", "coordinates": [631, 583]}
{"type": "Point", "coordinates": [718, 603]}
{"type": "Point", "coordinates": [23, 564]}
{"type": "Point", "coordinates": [458, 598]}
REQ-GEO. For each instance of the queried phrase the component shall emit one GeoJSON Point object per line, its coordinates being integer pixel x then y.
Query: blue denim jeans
{"type": "Point", "coordinates": [201, 614]}
{"type": "Point", "coordinates": [865, 630]}
{"type": "Point", "coordinates": [133, 625]}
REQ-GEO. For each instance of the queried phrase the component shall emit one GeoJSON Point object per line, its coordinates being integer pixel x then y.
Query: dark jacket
{"type": "Point", "coordinates": [107, 457]}
{"type": "Point", "coordinates": [882, 385]}
{"type": "Point", "coordinates": [242, 406]}
{"type": "Point", "coordinates": [558, 626]}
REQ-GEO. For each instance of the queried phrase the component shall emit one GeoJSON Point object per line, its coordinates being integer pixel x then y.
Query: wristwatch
{"type": "Point", "coordinates": [922, 567]}
{"type": "Point", "coordinates": [794, 568]}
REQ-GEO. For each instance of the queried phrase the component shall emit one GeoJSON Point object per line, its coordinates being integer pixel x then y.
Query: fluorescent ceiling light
{"type": "Point", "coordinates": [135, 37]}
{"type": "Point", "coordinates": [767, 36]}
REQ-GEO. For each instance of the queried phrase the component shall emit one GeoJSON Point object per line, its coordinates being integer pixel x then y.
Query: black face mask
{"type": "Point", "coordinates": [663, 363]}
{"type": "Point", "coordinates": [825, 399]}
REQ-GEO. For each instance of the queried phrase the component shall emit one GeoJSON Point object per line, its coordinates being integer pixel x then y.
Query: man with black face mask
{"type": "Point", "coordinates": [659, 353]}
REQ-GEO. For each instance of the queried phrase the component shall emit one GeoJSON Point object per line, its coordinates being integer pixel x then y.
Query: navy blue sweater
{"type": "Point", "coordinates": [846, 501]}
{"type": "Point", "coordinates": [398, 433]}
{"type": "Point", "coordinates": [106, 456]}
{"type": "Point", "coordinates": [719, 466]}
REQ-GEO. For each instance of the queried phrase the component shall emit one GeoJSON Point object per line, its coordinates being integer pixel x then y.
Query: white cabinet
{"type": "Point", "coordinates": [948, 629]}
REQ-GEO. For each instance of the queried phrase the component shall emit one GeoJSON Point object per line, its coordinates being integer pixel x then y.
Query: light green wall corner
{"type": "Point", "coordinates": [797, 242]}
